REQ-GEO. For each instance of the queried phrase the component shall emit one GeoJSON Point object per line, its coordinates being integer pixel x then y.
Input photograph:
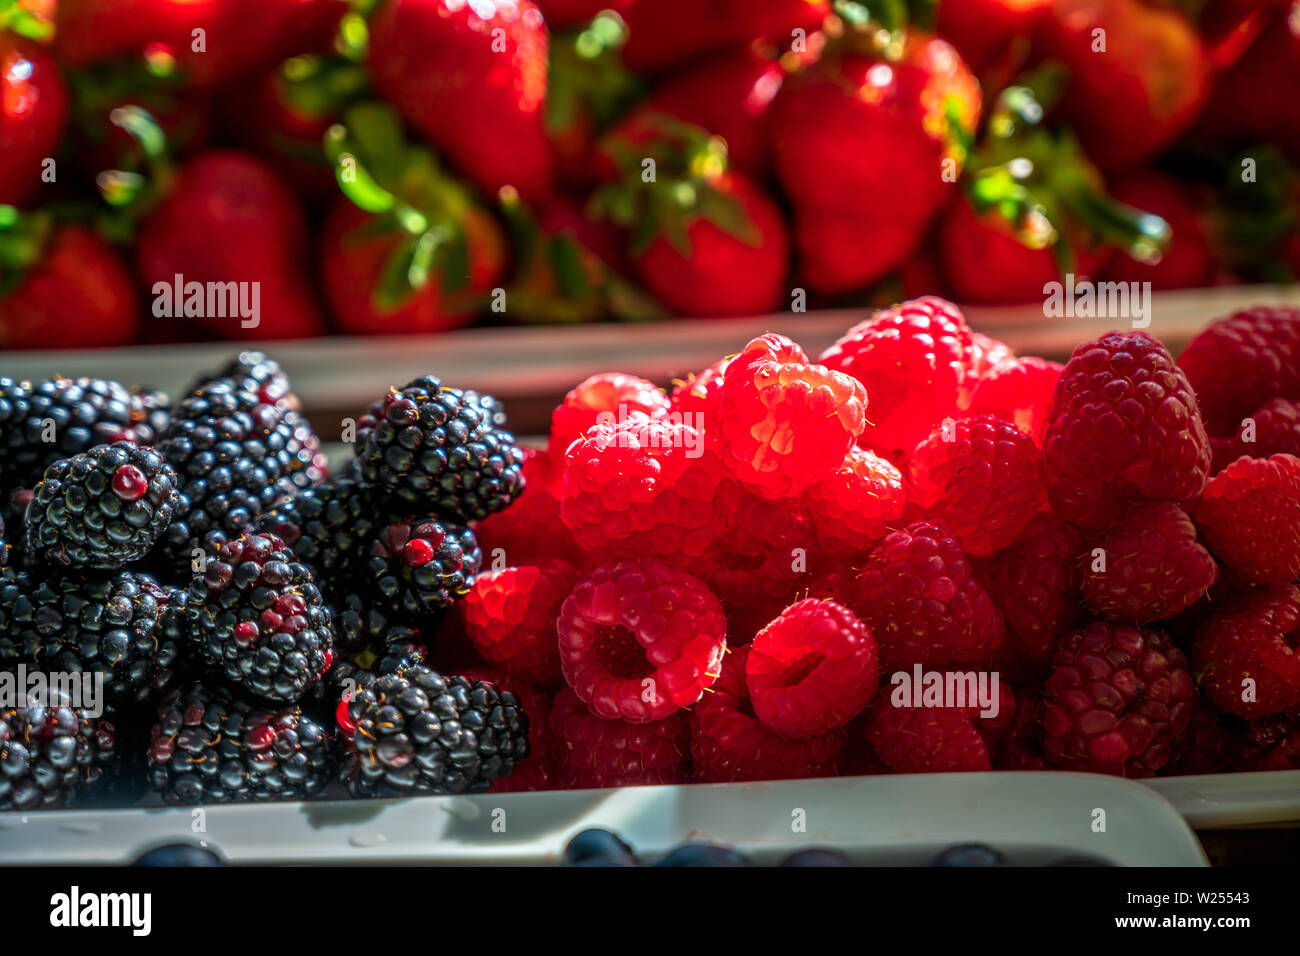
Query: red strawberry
{"type": "Point", "coordinates": [1187, 262]}
{"type": "Point", "coordinates": [665, 32]}
{"type": "Point", "coordinates": [78, 294]}
{"type": "Point", "coordinates": [33, 109]}
{"type": "Point", "coordinates": [229, 218]}
{"type": "Point", "coordinates": [1132, 97]}
{"type": "Point", "coordinates": [471, 78]}
{"type": "Point", "coordinates": [982, 30]}
{"type": "Point", "coordinates": [859, 141]}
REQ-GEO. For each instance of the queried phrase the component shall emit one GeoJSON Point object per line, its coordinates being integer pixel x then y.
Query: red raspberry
{"type": "Point", "coordinates": [510, 618]}
{"type": "Point", "coordinates": [698, 399]}
{"type": "Point", "coordinates": [1022, 748]}
{"type": "Point", "coordinates": [1271, 743]}
{"type": "Point", "coordinates": [530, 531]}
{"type": "Point", "coordinates": [812, 669]}
{"type": "Point", "coordinates": [1272, 429]}
{"type": "Point", "coordinates": [641, 639]}
{"type": "Point", "coordinates": [1034, 583]}
{"type": "Point", "coordinates": [1239, 363]}
{"type": "Point", "coordinates": [912, 359]}
{"type": "Point", "coordinates": [538, 770]}
{"type": "Point", "coordinates": [1021, 391]}
{"type": "Point", "coordinates": [1250, 517]}
{"type": "Point", "coordinates": [643, 488]}
{"type": "Point", "coordinates": [920, 596]}
{"type": "Point", "coordinates": [980, 475]}
{"type": "Point", "coordinates": [1118, 701]}
{"type": "Point", "coordinates": [609, 396]}
{"type": "Point", "coordinates": [1208, 746]}
{"type": "Point", "coordinates": [783, 421]}
{"type": "Point", "coordinates": [729, 743]}
{"type": "Point", "coordinates": [987, 353]}
{"type": "Point", "coordinates": [853, 507]}
{"type": "Point", "coordinates": [590, 752]}
{"type": "Point", "coordinates": [1246, 653]}
{"type": "Point", "coordinates": [1124, 426]}
{"type": "Point", "coordinates": [932, 739]}
{"type": "Point", "coordinates": [1150, 566]}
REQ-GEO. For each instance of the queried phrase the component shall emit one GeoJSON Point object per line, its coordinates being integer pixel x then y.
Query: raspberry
{"type": "Point", "coordinates": [1207, 748]}
{"type": "Point", "coordinates": [1022, 747]}
{"type": "Point", "coordinates": [812, 669]}
{"type": "Point", "coordinates": [591, 752]}
{"type": "Point", "coordinates": [1034, 583]}
{"type": "Point", "coordinates": [728, 743]}
{"type": "Point", "coordinates": [980, 475]}
{"type": "Point", "coordinates": [1246, 653]}
{"type": "Point", "coordinates": [510, 617]}
{"type": "Point", "coordinates": [1019, 390]}
{"type": "Point", "coordinates": [1153, 567]}
{"type": "Point", "coordinates": [912, 359]}
{"type": "Point", "coordinates": [1250, 517]}
{"type": "Point", "coordinates": [1272, 429]}
{"type": "Point", "coordinates": [1239, 363]}
{"type": "Point", "coordinates": [698, 399]}
{"type": "Point", "coordinates": [987, 353]}
{"type": "Point", "coordinates": [853, 507]}
{"type": "Point", "coordinates": [920, 596]}
{"type": "Point", "coordinates": [530, 531]}
{"type": "Point", "coordinates": [783, 421]}
{"type": "Point", "coordinates": [936, 739]}
{"type": "Point", "coordinates": [1271, 743]}
{"type": "Point", "coordinates": [639, 640]}
{"type": "Point", "coordinates": [1124, 425]}
{"type": "Point", "coordinates": [642, 488]}
{"type": "Point", "coordinates": [1118, 701]}
{"type": "Point", "coordinates": [611, 396]}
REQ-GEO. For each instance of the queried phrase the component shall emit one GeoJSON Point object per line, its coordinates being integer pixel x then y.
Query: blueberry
{"type": "Point", "coordinates": [179, 854]}
{"type": "Point", "coordinates": [817, 856]}
{"type": "Point", "coordinates": [704, 854]}
{"type": "Point", "coordinates": [969, 854]}
{"type": "Point", "coordinates": [597, 847]}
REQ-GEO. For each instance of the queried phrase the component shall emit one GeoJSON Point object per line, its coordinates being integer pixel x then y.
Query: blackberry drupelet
{"type": "Point", "coordinates": [422, 565]}
{"type": "Point", "coordinates": [441, 450]}
{"type": "Point", "coordinates": [232, 463]}
{"type": "Point", "coordinates": [329, 528]}
{"type": "Point", "coordinates": [151, 412]}
{"type": "Point", "coordinates": [256, 614]}
{"type": "Point", "coordinates": [211, 745]}
{"type": "Point", "coordinates": [51, 756]}
{"type": "Point", "coordinates": [414, 732]}
{"type": "Point", "coordinates": [102, 509]}
{"type": "Point", "coordinates": [358, 621]}
{"type": "Point", "coordinates": [106, 624]}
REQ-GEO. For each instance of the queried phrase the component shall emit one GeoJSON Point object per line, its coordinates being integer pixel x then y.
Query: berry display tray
{"type": "Point", "coordinates": [1234, 799]}
{"type": "Point", "coordinates": [1033, 818]}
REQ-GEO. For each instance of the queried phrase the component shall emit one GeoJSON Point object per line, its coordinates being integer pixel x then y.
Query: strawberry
{"type": "Point", "coordinates": [704, 240]}
{"type": "Point", "coordinates": [471, 79]}
{"type": "Point", "coordinates": [667, 32]}
{"type": "Point", "coordinates": [861, 142]}
{"type": "Point", "coordinates": [981, 30]}
{"type": "Point", "coordinates": [1187, 262]}
{"type": "Point", "coordinates": [226, 218]}
{"type": "Point", "coordinates": [62, 286]}
{"type": "Point", "coordinates": [1130, 100]}
{"type": "Point", "coordinates": [33, 110]}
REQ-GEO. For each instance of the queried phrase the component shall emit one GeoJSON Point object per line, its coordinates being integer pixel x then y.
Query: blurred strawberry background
{"type": "Point", "coordinates": [399, 166]}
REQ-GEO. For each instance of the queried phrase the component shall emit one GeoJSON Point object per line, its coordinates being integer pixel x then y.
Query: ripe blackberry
{"type": "Point", "coordinates": [328, 527]}
{"type": "Point", "coordinates": [212, 746]}
{"type": "Point", "coordinates": [52, 755]}
{"type": "Point", "coordinates": [57, 418]}
{"type": "Point", "coordinates": [442, 450]}
{"type": "Point", "coordinates": [151, 412]}
{"type": "Point", "coordinates": [422, 565]}
{"type": "Point", "coordinates": [102, 509]}
{"type": "Point", "coordinates": [255, 373]}
{"type": "Point", "coordinates": [106, 624]}
{"type": "Point", "coordinates": [256, 614]}
{"type": "Point", "coordinates": [416, 732]}
{"type": "Point", "coordinates": [232, 463]}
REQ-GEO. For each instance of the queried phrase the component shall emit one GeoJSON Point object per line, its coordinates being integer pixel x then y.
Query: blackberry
{"type": "Point", "coordinates": [57, 418]}
{"type": "Point", "coordinates": [52, 754]}
{"type": "Point", "coordinates": [256, 614]}
{"type": "Point", "coordinates": [151, 412]}
{"type": "Point", "coordinates": [106, 624]}
{"type": "Point", "coordinates": [441, 450]}
{"type": "Point", "coordinates": [415, 732]}
{"type": "Point", "coordinates": [101, 509]}
{"type": "Point", "coordinates": [329, 528]}
{"type": "Point", "coordinates": [420, 565]}
{"type": "Point", "coordinates": [255, 373]}
{"type": "Point", "coordinates": [4, 544]}
{"type": "Point", "coordinates": [232, 462]}
{"type": "Point", "coordinates": [358, 621]}
{"type": "Point", "coordinates": [212, 746]}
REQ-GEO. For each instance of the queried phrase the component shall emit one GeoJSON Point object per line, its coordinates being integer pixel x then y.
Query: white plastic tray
{"type": "Point", "coordinates": [1233, 799]}
{"type": "Point", "coordinates": [1034, 818]}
